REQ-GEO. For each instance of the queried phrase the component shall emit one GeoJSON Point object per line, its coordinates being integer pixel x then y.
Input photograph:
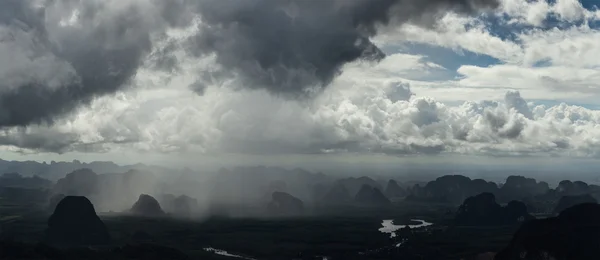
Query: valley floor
{"type": "Point", "coordinates": [350, 233]}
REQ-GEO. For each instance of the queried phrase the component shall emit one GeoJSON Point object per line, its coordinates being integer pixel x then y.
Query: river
{"type": "Point", "coordinates": [390, 228]}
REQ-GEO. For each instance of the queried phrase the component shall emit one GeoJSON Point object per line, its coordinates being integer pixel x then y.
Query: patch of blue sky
{"type": "Point", "coordinates": [588, 4]}
{"type": "Point", "coordinates": [450, 59]}
{"type": "Point", "coordinates": [552, 21]}
{"type": "Point", "coordinates": [501, 27]}
{"type": "Point", "coordinates": [542, 63]}
{"type": "Point", "coordinates": [592, 5]}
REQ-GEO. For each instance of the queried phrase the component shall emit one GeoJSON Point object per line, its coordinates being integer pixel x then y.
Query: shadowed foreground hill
{"type": "Point", "coordinates": [573, 235]}
{"type": "Point", "coordinates": [75, 223]}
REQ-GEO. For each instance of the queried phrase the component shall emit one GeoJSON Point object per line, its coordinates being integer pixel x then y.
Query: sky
{"type": "Point", "coordinates": [299, 81]}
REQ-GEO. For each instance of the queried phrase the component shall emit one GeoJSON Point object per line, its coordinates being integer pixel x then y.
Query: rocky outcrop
{"type": "Point", "coordinates": [573, 234]}
{"type": "Point", "coordinates": [285, 204]}
{"type": "Point", "coordinates": [393, 190]}
{"type": "Point", "coordinates": [75, 223]}
{"type": "Point", "coordinates": [570, 201]}
{"type": "Point", "coordinates": [147, 205]}
{"type": "Point", "coordinates": [482, 210]}
{"type": "Point", "coordinates": [370, 196]}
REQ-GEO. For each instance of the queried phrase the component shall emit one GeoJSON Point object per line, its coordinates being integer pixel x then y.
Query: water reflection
{"type": "Point", "coordinates": [390, 228]}
{"type": "Point", "coordinates": [225, 253]}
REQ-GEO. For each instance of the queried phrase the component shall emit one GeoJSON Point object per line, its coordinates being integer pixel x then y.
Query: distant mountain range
{"type": "Point", "coordinates": [55, 170]}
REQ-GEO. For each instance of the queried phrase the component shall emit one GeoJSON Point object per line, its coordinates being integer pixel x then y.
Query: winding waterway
{"type": "Point", "coordinates": [390, 228]}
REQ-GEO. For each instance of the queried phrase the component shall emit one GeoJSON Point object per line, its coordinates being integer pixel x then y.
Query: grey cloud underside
{"type": "Point", "coordinates": [366, 120]}
{"type": "Point", "coordinates": [296, 47]}
{"type": "Point", "coordinates": [102, 58]}
{"type": "Point", "coordinates": [283, 46]}
{"type": "Point", "coordinates": [59, 55]}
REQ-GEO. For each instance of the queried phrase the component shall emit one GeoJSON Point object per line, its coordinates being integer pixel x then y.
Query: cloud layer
{"type": "Point", "coordinates": [520, 105]}
{"type": "Point", "coordinates": [59, 54]}
{"type": "Point", "coordinates": [350, 116]}
{"type": "Point", "coordinates": [293, 47]}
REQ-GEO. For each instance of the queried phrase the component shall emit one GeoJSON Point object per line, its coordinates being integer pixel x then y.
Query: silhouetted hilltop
{"type": "Point", "coordinates": [393, 190]}
{"type": "Point", "coordinates": [519, 187]}
{"type": "Point", "coordinates": [571, 188]}
{"type": "Point", "coordinates": [273, 186]}
{"type": "Point", "coordinates": [147, 205]}
{"type": "Point", "coordinates": [56, 170]}
{"type": "Point", "coordinates": [75, 223]}
{"type": "Point", "coordinates": [108, 191]}
{"type": "Point", "coordinates": [451, 189]}
{"type": "Point", "coordinates": [538, 195]}
{"type": "Point", "coordinates": [370, 196]}
{"type": "Point", "coordinates": [81, 182]}
{"type": "Point", "coordinates": [573, 234]}
{"type": "Point", "coordinates": [482, 210]}
{"type": "Point", "coordinates": [570, 201]}
{"type": "Point", "coordinates": [285, 204]}
{"type": "Point", "coordinates": [120, 190]}
{"type": "Point", "coordinates": [180, 206]}
{"type": "Point", "coordinates": [353, 185]}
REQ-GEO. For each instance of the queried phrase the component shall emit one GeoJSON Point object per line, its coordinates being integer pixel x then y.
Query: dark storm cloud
{"type": "Point", "coordinates": [285, 46]}
{"type": "Point", "coordinates": [103, 57]}
{"type": "Point", "coordinates": [47, 141]}
{"type": "Point", "coordinates": [291, 46]}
